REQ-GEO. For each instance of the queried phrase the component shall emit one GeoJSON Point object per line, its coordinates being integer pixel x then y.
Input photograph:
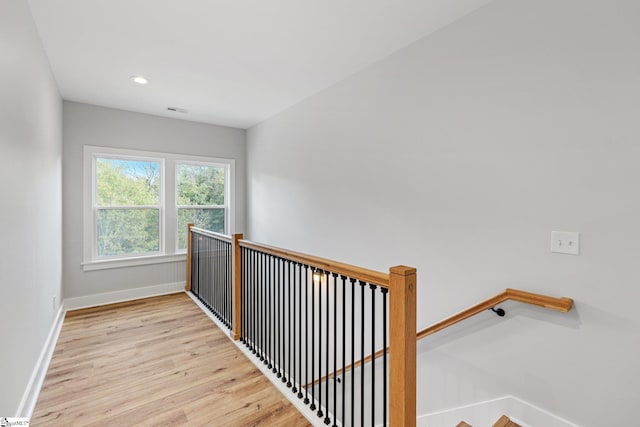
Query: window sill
{"type": "Point", "coordinates": [132, 262]}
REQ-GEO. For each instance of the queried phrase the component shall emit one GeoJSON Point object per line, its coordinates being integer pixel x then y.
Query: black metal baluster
{"type": "Point", "coordinates": [201, 267]}
{"type": "Point", "coordinates": [313, 338]}
{"type": "Point", "coordinates": [259, 308]}
{"type": "Point", "coordinates": [201, 270]}
{"type": "Point", "coordinates": [256, 295]}
{"type": "Point", "coordinates": [265, 277]}
{"type": "Point", "coordinates": [243, 300]}
{"type": "Point", "coordinates": [306, 334]}
{"type": "Point", "coordinates": [213, 276]}
{"type": "Point", "coordinates": [225, 304]}
{"type": "Point", "coordinates": [285, 308]}
{"type": "Point", "coordinates": [229, 290]}
{"type": "Point", "coordinates": [384, 355]}
{"type": "Point", "coordinates": [194, 282]}
{"type": "Point", "coordinates": [216, 279]}
{"type": "Point", "coordinates": [248, 308]}
{"type": "Point", "coordinates": [205, 272]}
{"type": "Point", "coordinates": [362, 285]}
{"type": "Point", "coordinates": [335, 347]}
{"type": "Point", "coordinates": [194, 259]}
{"type": "Point", "coordinates": [269, 298]}
{"type": "Point", "coordinates": [320, 413]}
{"type": "Point", "coordinates": [284, 321]}
{"type": "Point", "coordinates": [293, 318]}
{"type": "Point", "coordinates": [249, 299]}
{"type": "Point", "coordinates": [219, 288]}
{"type": "Point", "coordinates": [289, 355]}
{"type": "Point", "coordinates": [209, 274]}
{"type": "Point", "coordinates": [353, 347]}
{"type": "Point", "coordinates": [221, 283]}
{"type": "Point", "coordinates": [247, 263]}
{"type": "Point", "coordinates": [253, 301]}
{"type": "Point", "coordinates": [373, 352]}
{"type": "Point", "coordinates": [223, 255]}
{"type": "Point", "coordinates": [225, 294]}
{"type": "Point", "coordinates": [273, 313]}
{"type": "Point", "coordinates": [327, 420]}
{"type": "Point", "coordinates": [299, 322]}
{"type": "Point", "coordinates": [262, 308]}
{"type": "Point", "coordinates": [276, 325]}
{"type": "Point", "coordinates": [344, 343]}
{"type": "Point", "coordinates": [279, 320]}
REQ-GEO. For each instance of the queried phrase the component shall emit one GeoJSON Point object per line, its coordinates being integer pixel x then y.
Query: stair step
{"type": "Point", "coordinates": [504, 421]}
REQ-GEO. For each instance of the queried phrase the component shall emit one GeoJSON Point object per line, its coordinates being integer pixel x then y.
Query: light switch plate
{"type": "Point", "coordinates": [565, 242]}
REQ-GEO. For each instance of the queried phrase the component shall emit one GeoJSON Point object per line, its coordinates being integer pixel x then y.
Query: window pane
{"type": "Point", "coordinates": [121, 182]}
{"type": "Point", "coordinates": [208, 219]}
{"type": "Point", "coordinates": [128, 231]}
{"type": "Point", "coordinates": [199, 185]}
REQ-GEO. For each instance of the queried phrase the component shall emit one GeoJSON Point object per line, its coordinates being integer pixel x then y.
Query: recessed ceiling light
{"type": "Point", "coordinates": [140, 80]}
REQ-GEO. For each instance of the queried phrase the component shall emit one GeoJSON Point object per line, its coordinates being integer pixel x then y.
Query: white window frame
{"type": "Point", "coordinates": [168, 209]}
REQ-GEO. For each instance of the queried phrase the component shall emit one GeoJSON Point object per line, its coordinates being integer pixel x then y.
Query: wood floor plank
{"type": "Point", "coordinates": [156, 361]}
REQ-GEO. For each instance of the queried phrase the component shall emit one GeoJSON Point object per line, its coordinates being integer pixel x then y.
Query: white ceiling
{"type": "Point", "coordinates": [228, 62]}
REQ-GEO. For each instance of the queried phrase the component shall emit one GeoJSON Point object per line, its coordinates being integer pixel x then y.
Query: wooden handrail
{"type": "Point", "coordinates": [559, 304]}
{"type": "Point", "coordinates": [364, 274]}
{"type": "Point", "coordinates": [562, 304]}
{"type": "Point", "coordinates": [213, 234]}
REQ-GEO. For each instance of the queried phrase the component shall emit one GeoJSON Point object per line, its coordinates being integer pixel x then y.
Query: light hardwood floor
{"type": "Point", "coordinates": [157, 361]}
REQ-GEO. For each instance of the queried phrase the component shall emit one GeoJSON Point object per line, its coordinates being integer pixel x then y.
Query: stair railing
{"type": "Point", "coordinates": [209, 271]}
{"type": "Point", "coordinates": [307, 318]}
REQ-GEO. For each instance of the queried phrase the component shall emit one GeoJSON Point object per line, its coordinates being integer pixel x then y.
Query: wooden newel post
{"type": "Point", "coordinates": [402, 349]}
{"type": "Point", "coordinates": [236, 294]}
{"type": "Point", "coordinates": [187, 286]}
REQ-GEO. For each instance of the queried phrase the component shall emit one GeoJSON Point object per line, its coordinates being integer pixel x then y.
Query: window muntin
{"type": "Point", "coordinates": [201, 197]}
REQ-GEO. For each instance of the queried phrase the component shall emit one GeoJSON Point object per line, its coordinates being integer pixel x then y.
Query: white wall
{"type": "Point", "coordinates": [91, 125]}
{"type": "Point", "coordinates": [459, 155]}
{"type": "Point", "coordinates": [30, 191]}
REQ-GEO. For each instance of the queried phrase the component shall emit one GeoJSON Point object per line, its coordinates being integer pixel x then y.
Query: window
{"type": "Point", "coordinates": [200, 198]}
{"type": "Point", "coordinates": [127, 206]}
{"type": "Point", "coordinates": [137, 204]}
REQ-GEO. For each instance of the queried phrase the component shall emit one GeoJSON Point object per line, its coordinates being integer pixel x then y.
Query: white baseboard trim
{"type": "Point", "coordinates": [298, 403]}
{"type": "Point", "coordinates": [124, 295]}
{"type": "Point", "coordinates": [31, 393]}
{"type": "Point", "coordinates": [487, 412]}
